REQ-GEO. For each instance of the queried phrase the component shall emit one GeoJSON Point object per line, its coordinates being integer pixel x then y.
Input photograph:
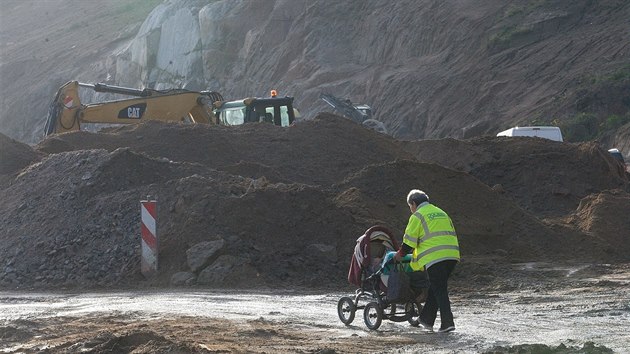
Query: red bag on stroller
{"type": "Point", "coordinates": [368, 253]}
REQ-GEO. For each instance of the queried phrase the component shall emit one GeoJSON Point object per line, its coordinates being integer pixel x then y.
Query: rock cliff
{"type": "Point", "coordinates": [430, 69]}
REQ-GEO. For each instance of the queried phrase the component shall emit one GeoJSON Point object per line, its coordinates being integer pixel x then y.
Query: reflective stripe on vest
{"type": "Point", "coordinates": [436, 246]}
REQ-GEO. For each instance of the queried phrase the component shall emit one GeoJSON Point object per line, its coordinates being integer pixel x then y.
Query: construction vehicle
{"type": "Point", "coordinates": [551, 133]}
{"type": "Point", "coordinates": [361, 114]}
{"type": "Point", "coordinates": [67, 113]}
{"type": "Point", "coordinates": [276, 110]}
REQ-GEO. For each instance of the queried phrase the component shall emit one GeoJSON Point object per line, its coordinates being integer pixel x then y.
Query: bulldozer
{"type": "Point", "coordinates": [67, 113]}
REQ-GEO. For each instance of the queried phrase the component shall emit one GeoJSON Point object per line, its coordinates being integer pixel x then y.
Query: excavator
{"type": "Point", "coordinates": [361, 113]}
{"type": "Point", "coordinates": [67, 113]}
{"type": "Point", "coordinates": [276, 110]}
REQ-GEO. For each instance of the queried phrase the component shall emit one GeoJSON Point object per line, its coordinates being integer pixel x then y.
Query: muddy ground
{"type": "Point", "coordinates": [535, 308]}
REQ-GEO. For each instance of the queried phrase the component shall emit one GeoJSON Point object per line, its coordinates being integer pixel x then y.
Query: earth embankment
{"type": "Point", "coordinates": [285, 206]}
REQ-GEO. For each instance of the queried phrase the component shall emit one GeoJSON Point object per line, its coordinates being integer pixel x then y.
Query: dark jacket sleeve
{"type": "Point", "coordinates": [406, 249]}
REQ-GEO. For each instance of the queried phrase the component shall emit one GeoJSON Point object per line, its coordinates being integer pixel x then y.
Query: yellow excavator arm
{"type": "Point", "coordinates": [67, 113]}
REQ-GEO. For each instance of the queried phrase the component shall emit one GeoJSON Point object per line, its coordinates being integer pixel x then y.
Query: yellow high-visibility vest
{"type": "Point", "coordinates": [431, 234]}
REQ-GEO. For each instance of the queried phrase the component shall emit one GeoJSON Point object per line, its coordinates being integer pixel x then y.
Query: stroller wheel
{"type": "Point", "coordinates": [372, 315]}
{"type": "Point", "coordinates": [345, 310]}
{"type": "Point", "coordinates": [413, 309]}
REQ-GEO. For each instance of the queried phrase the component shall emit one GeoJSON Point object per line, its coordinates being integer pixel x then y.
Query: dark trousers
{"type": "Point", "coordinates": [438, 294]}
{"type": "Point", "coordinates": [418, 281]}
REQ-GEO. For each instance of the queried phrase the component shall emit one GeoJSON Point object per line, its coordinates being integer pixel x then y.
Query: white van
{"type": "Point", "coordinates": [552, 133]}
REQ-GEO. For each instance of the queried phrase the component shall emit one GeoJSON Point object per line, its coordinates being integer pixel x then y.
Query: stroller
{"type": "Point", "coordinates": [370, 266]}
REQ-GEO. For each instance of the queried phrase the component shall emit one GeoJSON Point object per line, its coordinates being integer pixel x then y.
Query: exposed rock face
{"type": "Point", "coordinates": [423, 79]}
{"type": "Point", "coordinates": [166, 51]}
{"type": "Point", "coordinates": [429, 69]}
{"type": "Point", "coordinates": [198, 45]}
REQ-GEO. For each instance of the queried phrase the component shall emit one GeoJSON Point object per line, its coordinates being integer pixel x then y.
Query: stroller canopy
{"type": "Point", "coordinates": [372, 245]}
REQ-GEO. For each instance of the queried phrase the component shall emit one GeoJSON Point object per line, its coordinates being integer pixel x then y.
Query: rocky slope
{"type": "Point", "coordinates": [429, 68]}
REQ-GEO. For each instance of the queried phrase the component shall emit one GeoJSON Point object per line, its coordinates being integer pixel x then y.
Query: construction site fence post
{"type": "Point", "coordinates": [149, 237]}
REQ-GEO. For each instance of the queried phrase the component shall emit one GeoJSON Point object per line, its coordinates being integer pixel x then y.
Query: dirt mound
{"type": "Point", "coordinates": [14, 156]}
{"type": "Point", "coordinates": [280, 207]}
{"type": "Point", "coordinates": [320, 152]}
{"type": "Point", "coordinates": [606, 215]}
{"type": "Point", "coordinates": [100, 190]}
{"type": "Point", "coordinates": [545, 177]}
{"type": "Point", "coordinates": [487, 221]}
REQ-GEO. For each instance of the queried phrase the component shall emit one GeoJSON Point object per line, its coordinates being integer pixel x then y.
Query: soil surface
{"type": "Point", "coordinates": [285, 206]}
{"type": "Point", "coordinates": [566, 308]}
{"type": "Point", "coordinates": [257, 224]}
{"type": "Point", "coordinates": [273, 214]}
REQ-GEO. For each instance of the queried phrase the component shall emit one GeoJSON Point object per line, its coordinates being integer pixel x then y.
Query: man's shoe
{"type": "Point", "coordinates": [446, 329]}
{"type": "Point", "coordinates": [425, 326]}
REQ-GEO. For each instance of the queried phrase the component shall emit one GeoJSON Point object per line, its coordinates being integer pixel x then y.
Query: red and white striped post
{"type": "Point", "coordinates": [149, 262]}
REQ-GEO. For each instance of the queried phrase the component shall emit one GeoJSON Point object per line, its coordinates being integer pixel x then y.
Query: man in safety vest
{"type": "Point", "coordinates": [431, 236]}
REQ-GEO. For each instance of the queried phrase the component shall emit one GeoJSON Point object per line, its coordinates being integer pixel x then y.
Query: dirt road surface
{"type": "Point", "coordinates": [588, 309]}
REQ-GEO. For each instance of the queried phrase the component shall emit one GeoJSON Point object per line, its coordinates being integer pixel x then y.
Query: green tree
{"type": "Point", "coordinates": [582, 127]}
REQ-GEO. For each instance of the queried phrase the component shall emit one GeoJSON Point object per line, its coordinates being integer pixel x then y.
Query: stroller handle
{"type": "Point", "coordinates": [390, 260]}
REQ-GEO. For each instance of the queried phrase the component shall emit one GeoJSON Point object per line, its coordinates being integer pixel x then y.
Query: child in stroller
{"type": "Point", "coordinates": [370, 268]}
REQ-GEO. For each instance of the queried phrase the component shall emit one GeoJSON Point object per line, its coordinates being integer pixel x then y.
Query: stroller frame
{"type": "Point", "coordinates": [371, 295]}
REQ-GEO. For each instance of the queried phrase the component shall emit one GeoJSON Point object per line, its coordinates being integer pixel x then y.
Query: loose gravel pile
{"type": "Point", "coordinates": [264, 206]}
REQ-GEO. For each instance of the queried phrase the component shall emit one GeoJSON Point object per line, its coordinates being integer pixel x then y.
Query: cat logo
{"type": "Point", "coordinates": [135, 111]}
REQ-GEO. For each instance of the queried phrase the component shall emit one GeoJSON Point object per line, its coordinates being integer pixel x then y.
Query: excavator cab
{"type": "Point", "coordinates": [275, 110]}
